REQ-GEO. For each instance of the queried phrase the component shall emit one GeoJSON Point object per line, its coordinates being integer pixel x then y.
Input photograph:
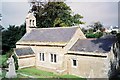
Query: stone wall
{"type": "Point", "coordinates": [88, 66]}
{"type": "Point", "coordinates": [47, 64]}
{"type": "Point", "coordinates": [26, 62]}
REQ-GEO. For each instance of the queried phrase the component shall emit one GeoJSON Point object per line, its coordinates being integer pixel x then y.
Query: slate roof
{"type": "Point", "coordinates": [50, 34]}
{"type": "Point", "coordinates": [101, 45]}
{"type": "Point", "coordinates": [24, 51]}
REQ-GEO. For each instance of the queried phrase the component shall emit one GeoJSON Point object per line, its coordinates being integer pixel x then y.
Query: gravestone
{"type": "Point", "coordinates": [11, 70]}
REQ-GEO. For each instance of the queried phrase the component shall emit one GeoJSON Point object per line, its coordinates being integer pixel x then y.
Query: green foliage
{"type": "Point", "coordinates": [118, 38]}
{"type": "Point", "coordinates": [44, 74]}
{"type": "Point", "coordinates": [90, 35]}
{"type": "Point", "coordinates": [3, 59]}
{"type": "Point", "coordinates": [69, 76]}
{"type": "Point", "coordinates": [84, 30]}
{"type": "Point", "coordinates": [98, 25]}
{"type": "Point", "coordinates": [91, 30]}
{"type": "Point", "coordinates": [3, 74]}
{"type": "Point", "coordinates": [11, 36]}
{"type": "Point", "coordinates": [16, 62]}
{"type": "Point", "coordinates": [113, 32]}
{"type": "Point", "coordinates": [34, 71]}
{"type": "Point", "coordinates": [56, 14]}
{"type": "Point", "coordinates": [96, 35]}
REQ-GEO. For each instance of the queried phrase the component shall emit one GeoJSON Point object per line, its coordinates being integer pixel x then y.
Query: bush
{"type": "Point", "coordinates": [90, 35]}
{"type": "Point", "coordinates": [3, 63]}
{"type": "Point", "coordinates": [118, 38]}
{"type": "Point", "coordinates": [15, 61]}
{"type": "Point", "coordinates": [5, 57]}
{"type": "Point", "coordinates": [96, 35]}
{"type": "Point", "coordinates": [113, 32]}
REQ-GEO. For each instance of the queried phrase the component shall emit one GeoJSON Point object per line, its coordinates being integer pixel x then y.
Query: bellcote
{"type": "Point", "coordinates": [30, 21]}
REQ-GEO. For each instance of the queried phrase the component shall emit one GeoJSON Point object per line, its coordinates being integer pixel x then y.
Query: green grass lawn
{"type": "Point", "coordinates": [3, 58]}
{"type": "Point", "coordinates": [43, 74]}
{"type": "Point", "coordinates": [36, 73]}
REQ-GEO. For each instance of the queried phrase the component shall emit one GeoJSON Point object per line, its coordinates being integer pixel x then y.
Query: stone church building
{"type": "Point", "coordinates": [65, 50]}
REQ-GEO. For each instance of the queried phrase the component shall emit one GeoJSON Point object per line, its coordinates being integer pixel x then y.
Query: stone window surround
{"type": "Point", "coordinates": [32, 22]}
{"type": "Point", "coordinates": [53, 59]}
{"type": "Point", "coordinates": [72, 60]}
{"type": "Point", "coordinates": [42, 57]}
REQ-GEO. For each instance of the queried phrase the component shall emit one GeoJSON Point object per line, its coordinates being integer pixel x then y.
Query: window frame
{"type": "Point", "coordinates": [53, 58]}
{"type": "Point", "coordinates": [76, 62]}
{"type": "Point", "coordinates": [30, 22]}
{"type": "Point", "coordinates": [42, 56]}
{"type": "Point", "coordinates": [33, 22]}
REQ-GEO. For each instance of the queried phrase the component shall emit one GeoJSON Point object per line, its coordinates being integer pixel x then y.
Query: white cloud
{"type": "Point", "coordinates": [106, 12]}
{"type": "Point", "coordinates": [92, 0]}
{"type": "Point", "coordinates": [15, 12]}
{"type": "Point", "coordinates": [66, 0]}
{"type": "Point", "coordinates": [14, 0]}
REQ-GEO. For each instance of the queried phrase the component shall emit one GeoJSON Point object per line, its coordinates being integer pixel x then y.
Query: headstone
{"type": "Point", "coordinates": [11, 70]}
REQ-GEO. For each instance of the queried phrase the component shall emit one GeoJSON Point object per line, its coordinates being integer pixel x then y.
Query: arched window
{"type": "Point", "coordinates": [30, 22]}
{"type": "Point", "coordinates": [33, 22]}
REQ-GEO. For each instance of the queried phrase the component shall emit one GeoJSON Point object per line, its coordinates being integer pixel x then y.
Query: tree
{"type": "Point", "coordinates": [98, 25]}
{"type": "Point", "coordinates": [10, 36]}
{"type": "Point", "coordinates": [55, 14]}
{"type": "Point", "coordinates": [0, 16]}
{"type": "Point", "coordinates": [84, 30]}
{"type": "Point", "coordinates": [118, 38]}
{"type": "Point", "coordinates": [96, 35]}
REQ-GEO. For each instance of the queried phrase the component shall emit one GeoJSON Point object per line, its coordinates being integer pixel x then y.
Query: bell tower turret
{"type": "Point", "coordinates": [30, 22]}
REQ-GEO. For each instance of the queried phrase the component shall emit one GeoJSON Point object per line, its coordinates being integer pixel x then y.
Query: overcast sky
{"type": "Point", "coordinates": [15, 11]}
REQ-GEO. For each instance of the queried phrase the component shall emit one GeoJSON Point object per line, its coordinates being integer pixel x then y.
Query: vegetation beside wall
{"type": "Point", "coordinates": [4, 58]}
{"type": "Point", "coordinates": [94, 35]}
{"type": "Point", "coordinates": [10, 36]}
{"type": "Point", "coordinates": [118, 37]}
{"type": "Point", "coordinates": [95, 31]}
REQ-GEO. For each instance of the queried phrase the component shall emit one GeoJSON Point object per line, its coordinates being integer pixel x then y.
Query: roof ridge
{"type": "Point", "coordinates": [57, 27]}
{"type": "Point", "coordinates": [23, 48]}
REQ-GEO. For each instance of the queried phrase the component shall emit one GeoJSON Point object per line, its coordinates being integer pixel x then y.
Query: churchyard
{"type": "Point", "coordinates": [32, 72]}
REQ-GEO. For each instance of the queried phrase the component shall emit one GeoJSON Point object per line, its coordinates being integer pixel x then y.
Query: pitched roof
{"type": "Point", "coordinates": [102, 45]}
{"type": "Point", "coordinates": [24, 51]}
{"type": "Point", "coordinates": [50, 34]}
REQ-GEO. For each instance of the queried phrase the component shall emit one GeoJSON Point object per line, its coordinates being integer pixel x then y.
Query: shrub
{"type": "Point", "coordinates": [15, 61]}
{"type": "Point", "coordinates": [90, 35]}
{"type": "Point", "coordinates": [5, 57]}
{"type": "Point", "coordinates": [113, 32]}
{"type": "Point", "coordinates": [118, 37]}
{"type": "Point", "coordinates": [96, 35]}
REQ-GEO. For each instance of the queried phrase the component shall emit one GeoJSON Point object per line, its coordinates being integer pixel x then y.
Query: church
{"type": "Point", "coordinates": [65, 50]}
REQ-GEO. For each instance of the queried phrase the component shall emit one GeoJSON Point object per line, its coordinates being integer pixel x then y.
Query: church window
{"type": "Point", "coordinates": [74, 62]}
{"type": "Point", "coordinates": [53, 58]}
{"type": "Point", "coordinates": [33, 22]}
{"type": "Point", "coordinates": [30, 22]}
{"type": "Point", "coordinates": [42, 57]}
